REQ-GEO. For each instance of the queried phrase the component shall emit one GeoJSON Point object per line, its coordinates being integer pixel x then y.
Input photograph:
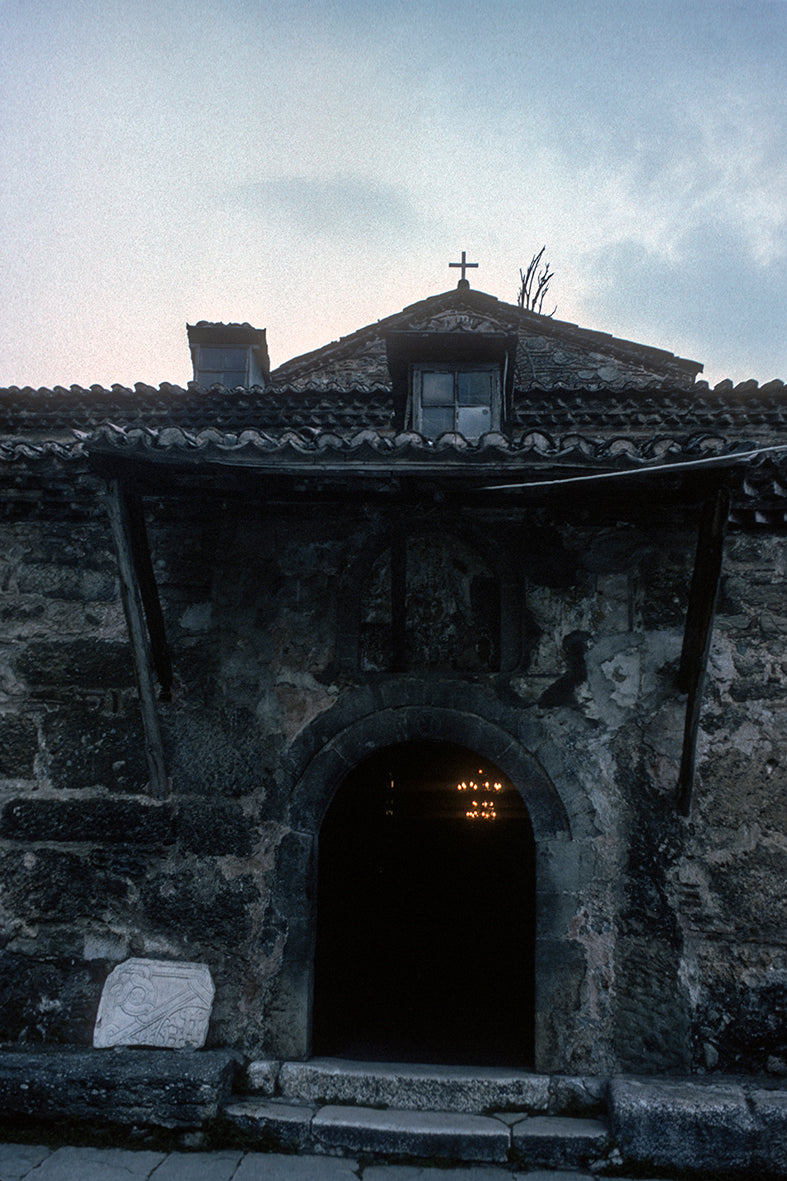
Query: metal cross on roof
{"type": "Point", "coordinates": [464, 264]}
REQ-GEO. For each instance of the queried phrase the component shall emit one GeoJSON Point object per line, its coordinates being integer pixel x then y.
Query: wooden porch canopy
{"type": "Point", "coordinates": [289, 468]}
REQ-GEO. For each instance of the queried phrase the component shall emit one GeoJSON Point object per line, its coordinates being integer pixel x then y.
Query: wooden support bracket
{"type": "Point", "coordinates": [699, 628]}
{"type": "Point", "coordinates": [120, 517]}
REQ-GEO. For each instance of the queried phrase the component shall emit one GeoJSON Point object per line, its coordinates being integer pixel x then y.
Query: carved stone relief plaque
{"type": "Point", "coordinates": [155, 1003]}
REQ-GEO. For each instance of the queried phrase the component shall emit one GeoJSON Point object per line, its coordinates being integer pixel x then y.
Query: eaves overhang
{"type": "Point", "coordinates": [528, 466]}
{"type": "Point", "coordinates": [532, 467]}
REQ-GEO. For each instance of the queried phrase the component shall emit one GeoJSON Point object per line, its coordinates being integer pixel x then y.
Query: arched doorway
{"type": "Point", "coordinates": [426, 912]}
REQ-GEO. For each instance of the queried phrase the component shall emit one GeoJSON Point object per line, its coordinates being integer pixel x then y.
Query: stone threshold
{"type": "Point", "coordinates": [423, 1087]}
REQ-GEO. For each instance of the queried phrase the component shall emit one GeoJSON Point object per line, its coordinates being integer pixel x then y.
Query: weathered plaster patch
{"type": "Point", "coordinates": [599, 959]}
{"type": "Point", "coordinates": [623, 672]}
{"type": "Point", "coordinates": [721, 664]}
{"type": "Point", "coordinates": [197, 618]}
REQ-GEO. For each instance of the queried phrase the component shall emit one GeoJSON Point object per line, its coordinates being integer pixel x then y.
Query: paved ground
{"type": "Point", "coordinates": [33, 1163]}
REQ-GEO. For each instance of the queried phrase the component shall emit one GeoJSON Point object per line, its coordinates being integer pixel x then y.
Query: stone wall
{"type": "Point", "coordinates": [661, 941]}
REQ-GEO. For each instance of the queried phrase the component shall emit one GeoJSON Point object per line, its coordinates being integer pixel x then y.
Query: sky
{"type": "Point", "coordinates": [312, 166]}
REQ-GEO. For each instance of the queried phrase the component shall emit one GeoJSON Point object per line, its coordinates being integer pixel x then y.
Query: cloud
{"type": "Point", "coordinates": [348, 207]}
{"type": "Point", "coordinates": [712, 296]}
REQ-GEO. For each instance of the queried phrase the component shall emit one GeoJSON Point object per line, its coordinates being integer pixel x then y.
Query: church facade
{"type": "Point", "coordinates": [428, 688]}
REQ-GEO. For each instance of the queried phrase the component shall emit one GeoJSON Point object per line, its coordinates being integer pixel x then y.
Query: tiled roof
{"type": "Point", "coordinates": [549, 351]}
{"type": "Point", "coordinates": [748, 408]}
{"type": "Point", "coordinates": [578, 398]}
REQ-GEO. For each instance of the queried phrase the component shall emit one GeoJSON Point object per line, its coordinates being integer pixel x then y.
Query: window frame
{"type": "Point", "coordinates": [212, 374]}
{"type": "Point", "coordinates": [419, 369]}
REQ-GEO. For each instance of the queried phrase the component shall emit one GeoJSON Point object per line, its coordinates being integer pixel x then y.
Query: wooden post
{"type": "Point", "coordinates": [140, 550]}
{"type": "Point", "coordinates": [699, 628]}
{"type": "Point", "coordinates": [119, 519]}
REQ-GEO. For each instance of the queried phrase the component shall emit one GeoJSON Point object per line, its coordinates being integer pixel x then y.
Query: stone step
{"type": "Point", "coordinates": [547, 1142]}
{"type": "Point", "coordinates": [411, 1087]}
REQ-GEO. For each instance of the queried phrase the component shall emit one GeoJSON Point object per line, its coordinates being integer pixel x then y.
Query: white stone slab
{"type": "Point", "coordinates": [155, 1003]}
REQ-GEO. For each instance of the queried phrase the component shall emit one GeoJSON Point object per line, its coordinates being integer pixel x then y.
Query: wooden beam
{"type": "Point", "coordinates": [119, 519]}
{"type": "Point", "coordinates": [699, 628]}
{"type": "Point", "coordinates": [140, 549]}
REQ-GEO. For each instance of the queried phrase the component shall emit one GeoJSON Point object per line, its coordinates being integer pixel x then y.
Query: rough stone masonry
{"type": "Point", "coordinates": [333, 585]}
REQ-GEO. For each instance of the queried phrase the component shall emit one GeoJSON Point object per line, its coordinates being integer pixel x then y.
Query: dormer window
{"type": "Point", "coordinates": [455, 381]}
{"type": "Point", "coordinates": [231, 355]}
{"type": "Point", "coordinates": [464, 399]}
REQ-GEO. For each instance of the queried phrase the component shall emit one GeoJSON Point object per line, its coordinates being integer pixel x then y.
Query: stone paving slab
{"type": "Point", "coordinates": [465, 1173]}
{"type": "Point", "coordinates": [447, 1134]}
{"type": "Point", "coordinates": [431, 1173]}
{"type": "Point", "coordinates": [197, 1166]}
{"type": "Point", "coordinates": [16, 1160]}
{"type": "Point", "coordinates": [97, 1164]}
{"type": "Point", "coordinates": [257, 1166]}
{"type": "Point", "coordinates": [24, 1162]}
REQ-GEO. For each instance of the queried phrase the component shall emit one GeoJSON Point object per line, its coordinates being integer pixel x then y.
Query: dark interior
{"type": "Point", "coordinates": [425, 928]}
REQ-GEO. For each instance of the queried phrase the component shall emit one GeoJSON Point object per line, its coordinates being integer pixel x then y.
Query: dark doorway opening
{"type": "Point", "coordinates": [426, 912]}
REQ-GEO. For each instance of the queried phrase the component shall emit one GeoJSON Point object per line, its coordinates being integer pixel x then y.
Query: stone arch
{"type": "Point", "coordinates": [325, 756]}
{"type": "Point", "coordinates": [403, 723]}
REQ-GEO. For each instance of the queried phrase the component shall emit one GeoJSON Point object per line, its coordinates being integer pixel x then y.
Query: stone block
{"type": "Point", "coordinates": [262, 1076]}
{"type": "Point", "coordinates": [770, 1112]}
{"type": "Point", "coordinates": [448, 1135]}
{"type": "Point", "coordinates": [18, 746]}
{"type": "Point", "coordinates": [76, 664]}
{"type": "Point", "coordinates": [199, 904]}
{"type": "Point", "coordinates": [87, 746]}
{"type": "Point", "coordinates": [270, 1125]}
{"type": "Point", "coordinates": [149, 1088]}
{"type": "Point", "coordinates": [214, 827]}
{"type": "Point", "coordinates": [214, 752]}
{"type": "Point", "coordinates": [68, 583]}
{"type": "Point", "coordinates": [414, 1087]}
{"type": "Point", "coordinates": [557, 1142]}
{"type": "Point", "coordinates": [46, 999]}
{"type": "Point", "coordinates": [155, 1003]}
{"type": "Point", "coordinates": [581, 1095]}
{"type": "Point", "coordinates": [53, 884]}
{"type": "Point", "coordinates": [98, 821]}
{"type": "Point", "coordinates": [682, 1125]}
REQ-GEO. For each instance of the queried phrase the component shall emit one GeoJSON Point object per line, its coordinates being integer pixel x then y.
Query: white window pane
{"type": "Point", "coordinates": [473, 421]}
{"type": "Point", "coordinates": [438, 389]}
